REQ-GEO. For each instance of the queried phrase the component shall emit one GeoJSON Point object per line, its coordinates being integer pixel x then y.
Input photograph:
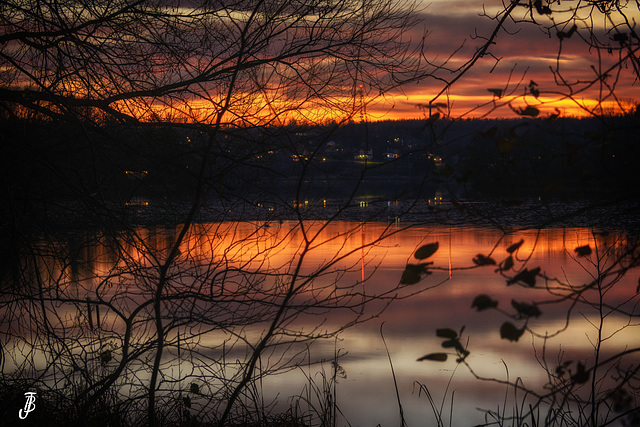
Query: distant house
{"type": "Point", "coordinates": [391, 154]}
{"type": "Point", "coordinates": [364, 155]}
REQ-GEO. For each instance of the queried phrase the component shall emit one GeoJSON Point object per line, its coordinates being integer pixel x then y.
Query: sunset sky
{"type": "Point", "coordinates": [528, 54]}
{"type": "Point", "coordinates": [314, 67]}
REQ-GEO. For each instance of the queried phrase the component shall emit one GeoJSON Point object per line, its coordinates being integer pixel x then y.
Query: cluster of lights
{"type": "Point", "coordinates": [137, 203]}
{"type": "Point", "coordinates": [437, 200]}
{"type": "Point", "coordinates": [134, 174]}
{"type": "Point", "coordinates": [260, 205]}
{"type": "Point", "coordinates": [305, 204]}
{"type": "Point", "coordinates": [297, 204]}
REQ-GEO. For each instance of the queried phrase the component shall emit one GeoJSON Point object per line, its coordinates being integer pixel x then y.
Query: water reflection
{"type": "Point", "coordinates": [238, 267]}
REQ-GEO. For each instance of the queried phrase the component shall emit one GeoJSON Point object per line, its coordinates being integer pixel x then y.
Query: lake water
{"type": "Point", "coordinates": [367, 396]}
{"type": "Point", "coordinates": [349, 264]}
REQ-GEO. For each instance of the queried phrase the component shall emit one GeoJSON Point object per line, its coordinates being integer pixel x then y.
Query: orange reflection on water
{"type": "Point", "coordinates": [126, 268]}
{"type": "Point", "coordinates": [278, 245]}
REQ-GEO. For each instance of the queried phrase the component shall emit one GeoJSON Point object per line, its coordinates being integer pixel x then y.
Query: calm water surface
{"type": "Point", "coordinates": [366, 393]}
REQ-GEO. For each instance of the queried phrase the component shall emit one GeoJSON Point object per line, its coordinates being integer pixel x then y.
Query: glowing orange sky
{"type": "Point", "coordinates": [524, 55]}
{"type": "Point", "coordinates": [528, 55]}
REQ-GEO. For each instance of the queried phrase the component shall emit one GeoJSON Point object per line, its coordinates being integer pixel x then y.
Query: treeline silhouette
{"type": "Point", "coordinates": [565, 157]}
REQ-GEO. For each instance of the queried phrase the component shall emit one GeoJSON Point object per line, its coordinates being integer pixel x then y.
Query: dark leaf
{"type": "Point", "coordinates": [410, 276]}
{"type": "Point", "coordinates": [412, 273]}
{"type": "Point", "coordinates": [581, 376]}
{"type": "Point", "coordinates": [510, 332]}
{"type": "Point", "coordinates": [484, 302]}
{"type": "Point", "coordinates": [562, 35]}
{"type": "Point", "coordinates": [507, 264]}
{"type": "Point", "coordinates": [526, 310]}
{"type": "Point", "coordinates": [622, 400]}
{"type": "Point", "coordinates": [450, 343]}
{"type": "Point", "coordinates": [496, 92]}
{"type": "Point", "coordinates": [583, 250]}
{"type": "Point", "coordinates": [573, 30]}
{"type": "Point", "coordinates": [620, 37]}
{"type": "Point", "coordinates": [511, 249]}
{"type": "Point", "coordinates": [542, 9]}
{"type": "Point", "coordinates": [424, 267]}
{"type": "Point", "coordinates": [483, 260]}
{"type": "Point", "coordinates": [528, 111]}
{"type": "Point", "coordinates": [187, 401]}
{"type": "Point", "coordinates": [437, 357]}
{"type": "Point", "coordinates": [195, 388]}
{"type": "Point", "coordinates": [446, 333]}
{"type": "Point", "coordinates": [527, 277]}
{"type": "Point", "coordinates": [426, 251]}
{"type": "Point", "coordinates": [455, 343]}
{"type": "Point", "coordinates": [105, 357]}
{"type": "Point", "coordinates": [533, 89]}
